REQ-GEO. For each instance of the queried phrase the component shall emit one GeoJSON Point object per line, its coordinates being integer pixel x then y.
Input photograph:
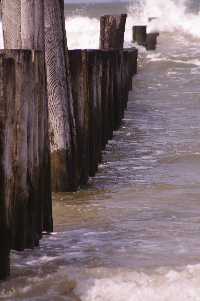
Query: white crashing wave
{"type": "Point", "coordinates": [172, 16]}
{"type": "Point", "coordinates": [82, 32]}
{"type": "Point", "coordinates": [161, 285]}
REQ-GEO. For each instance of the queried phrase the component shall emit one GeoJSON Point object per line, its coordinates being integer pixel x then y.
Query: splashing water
{"type": "Point", "coordinates": [171, 16]}
{"type": "Point", "coordinates": [82, 32]}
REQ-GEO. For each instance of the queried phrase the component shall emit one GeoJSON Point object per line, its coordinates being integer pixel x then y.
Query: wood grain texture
{"type": "Point", "coordinates": [25, 201]}
{"type": "Point", "coordinates": [61, 115]}
{"type": "Point", "coordinates": [79, 74]}
{"type": "Point", "coordinates": [32, 24]}
{"type": "Point", "coordinates": [112, 29]}
{"type": "Point", "coordinates": [11, 21]}
{"type": "Point", "coordinates": [6, 174]}
{"type": "Point", "coordinates": [23, 24]}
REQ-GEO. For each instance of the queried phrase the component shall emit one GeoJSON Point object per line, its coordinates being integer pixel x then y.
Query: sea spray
{"type": "Point", "coordinates": [82, 32]}
{"type": "Point", "coordinates": [171, 16]}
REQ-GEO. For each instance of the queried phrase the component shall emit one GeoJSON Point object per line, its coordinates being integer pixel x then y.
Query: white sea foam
{"type": "Point", "coordinates": [161, 285]}
{"type": "Point", "coordinates": [82, 32]}
{"type": "Point", "coordinates": [171, 15]}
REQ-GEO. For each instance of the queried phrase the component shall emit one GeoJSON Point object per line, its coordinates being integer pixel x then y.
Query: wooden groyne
{"type": "Point", "coordinates": [112, 29]}
{"type": "Point", "coordinates": [58, 110]}
{"type": "Point", "coordinates": [25, 199]}
{"type": "Point", "coordinates": [101, 80]}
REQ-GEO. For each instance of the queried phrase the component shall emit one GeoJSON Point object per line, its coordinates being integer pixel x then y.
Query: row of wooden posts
{"type": "Point", "coordinates": [58, 109]}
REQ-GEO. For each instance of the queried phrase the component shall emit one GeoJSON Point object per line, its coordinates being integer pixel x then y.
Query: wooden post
{"type": "Point", "coordinates": [105, 82]}
{"type": "Point", "coordinates": [25, 208]}
{"type": "Point", "coordinates": [11, 22]}
{"type": "Point", "coordinates": [112, 29]}
{"type": "Point", "coordinates": [132, 55]}
{"type": "Point", "coordinates": [151, 41]}
{"type": "Point", "coordinates": [140, 34]}
{"type": "Point", "coordinates": [6, 72]}
{"type": "Point", "coordinates": [23, 23]}
{"type": "Point", "coordinates": [118, 93]}
{"type": "Point", "coordinates": [94, 88]}
{"type": "Point", "coordinates": [61, 115]}
{"type": "Point", "coordinates": [32, 24]}
{"type": "Point", "coordinates": [80, 90]}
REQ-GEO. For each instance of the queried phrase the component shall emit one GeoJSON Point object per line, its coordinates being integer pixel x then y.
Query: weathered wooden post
{"type": "Point", "coordinates": [6, 71]}
{"type": "Point", "coordinates": [132, 55]}
{"type": "Point", "coordinates": [94, 89]}
{"type": "Point", "coordinates": [81, 97]}
{"type": "Point", "coordinates": [26, 177]}
{"type": "Point", "coordinates": [106, 92]}
{"type": "Point", "coordinates": [25, 206]}
{"type": "Point", "coordinates": [151, 40]}
{"type": "Point", "coordinates": [140, 34]}
{"type": "Point", "coordinates": [23, 24]}
{"type": "Point", "coordinates": [11, 22]}
{"type": "Point", "coordinates": [61, 115]}
{"type": "Point", "coordinates": [112, 29]}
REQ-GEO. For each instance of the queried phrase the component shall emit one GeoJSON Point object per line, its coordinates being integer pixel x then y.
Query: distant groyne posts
{"type": "Point", "coordinates": [25, 199]}
{"type": "Point", "coordinates": [140, 34]}
{"type": "Point", "coordinates": [142, 38]}
{"type": "Point", "coordinates": [101, 80]}
{"type": "Point", "coordinates": [151, 41]}
{"type": "Point", "coordinates": [58, 110]}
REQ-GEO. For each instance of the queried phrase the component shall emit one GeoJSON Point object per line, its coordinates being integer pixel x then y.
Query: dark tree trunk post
{"type": "Point", "coordinates": [112, 29]}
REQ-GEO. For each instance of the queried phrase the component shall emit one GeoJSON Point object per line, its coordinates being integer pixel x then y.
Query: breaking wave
{"type": "Point", "coordinates": [170, 16]}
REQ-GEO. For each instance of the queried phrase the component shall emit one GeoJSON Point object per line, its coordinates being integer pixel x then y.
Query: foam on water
{"type": "Point", "coordinates": [163, 284]}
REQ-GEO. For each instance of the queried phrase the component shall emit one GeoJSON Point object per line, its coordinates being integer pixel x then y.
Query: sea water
{"type": "Point", "coordinates": [133, 234]}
